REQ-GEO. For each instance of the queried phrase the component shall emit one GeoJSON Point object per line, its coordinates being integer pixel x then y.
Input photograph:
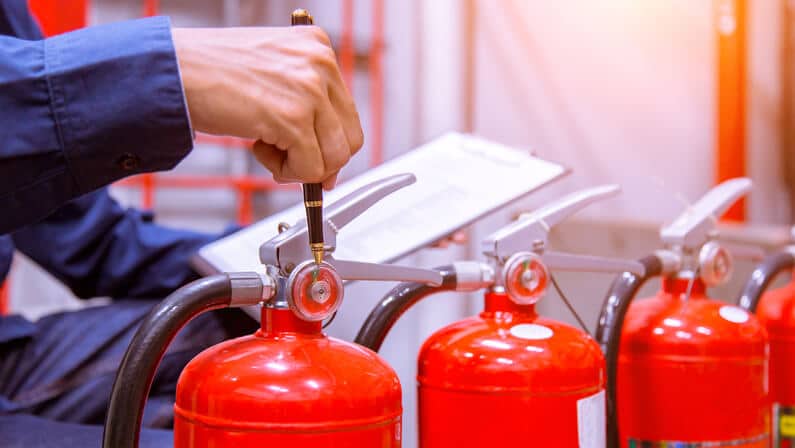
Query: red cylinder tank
{"type": "Point", "coordinates": [511, 378]}
{"type": "Point", "coordinates": [288, 385]}
{"type": "Point", "coordinates": [692, 372]}
{"type": "Point", "coordinates": [776, 311]}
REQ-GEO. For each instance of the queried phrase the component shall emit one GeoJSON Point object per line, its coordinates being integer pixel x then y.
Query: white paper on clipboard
{"type": "Point", "coordinates": [460, 178]}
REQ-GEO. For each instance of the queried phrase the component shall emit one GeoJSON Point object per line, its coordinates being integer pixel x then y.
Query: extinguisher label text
{"type": "Point", "coordinates": [784, 418]}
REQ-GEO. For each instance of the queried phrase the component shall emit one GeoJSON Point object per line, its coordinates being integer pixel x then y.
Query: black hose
{"type": "Point", "coordinates": [402, 297]}
{"type": "Point", "coordinates": [762, 276]}
{"type": "Point", "coordinates": [137, 369]}
{"type": "Point", "coordinates": [608, 332]}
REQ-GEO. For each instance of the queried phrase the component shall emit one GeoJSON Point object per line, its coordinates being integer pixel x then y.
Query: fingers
{"type": "Point", "coordinates": [333, 142]}
{"type": "Point", "coordinates": [274, 159]}
{"type": "Point", "coordinates": [339, 96]}
{"type": "Point", "coordinates": [331, 182]}
{"type": "Point", "coordinates": [346, 110]}
{"type": "Point", "coordinates": [315, 128]}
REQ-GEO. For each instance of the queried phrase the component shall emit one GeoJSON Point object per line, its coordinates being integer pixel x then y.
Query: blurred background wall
{"type": "Point", "coordinates": [620, 91]}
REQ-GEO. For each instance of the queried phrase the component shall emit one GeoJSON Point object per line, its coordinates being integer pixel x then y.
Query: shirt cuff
{"type": "Point", "coordinates": [117, 100]}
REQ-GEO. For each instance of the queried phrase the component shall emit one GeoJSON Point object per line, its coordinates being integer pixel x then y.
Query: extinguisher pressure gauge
{"type": "Point", "coordinates": [715, 264]}
{"type": "Point", "coordinates": [315, 291]}
{"type": "Point", "coordinates": [689, 239]}
{"type": "Point", "coordinates": [525, 278]}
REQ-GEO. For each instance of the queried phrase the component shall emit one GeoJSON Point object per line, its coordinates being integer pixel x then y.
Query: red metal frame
{"type": "Point", "coordinates": [731, 28]}
{"type": "Point", "coordinates": [151, 8]}
{"type": "Point", "coordinates": [59, 16]}
{"type": "Point", "coordinates": [377, 85]}
{"type": "Point", "coordinates": [347, 52]}
{"type": "Point", "coordinates": [4, 298]}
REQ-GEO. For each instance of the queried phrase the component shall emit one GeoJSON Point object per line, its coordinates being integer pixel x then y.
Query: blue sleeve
{"type": "Point", "coordinates": [99, 249]}
{"type": "Point", "coordinates": [83, 109]}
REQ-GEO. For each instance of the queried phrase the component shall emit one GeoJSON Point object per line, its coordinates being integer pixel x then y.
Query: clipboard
{"type": "Point", "coordinates": [460, 178]}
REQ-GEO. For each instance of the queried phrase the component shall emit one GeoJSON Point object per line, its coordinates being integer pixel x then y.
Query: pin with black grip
{"type": "Point", "coordinates": [313, 193]}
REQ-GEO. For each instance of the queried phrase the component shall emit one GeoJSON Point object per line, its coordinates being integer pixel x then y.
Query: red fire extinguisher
{"type": "Point", "coordinates": [685, 369]}
{"type": "Point", "coordinates": [288, 384]}
{"type": "Point", "coordinates": [776, 311]}
{"type": "Point", "coordinates": [508, 377]}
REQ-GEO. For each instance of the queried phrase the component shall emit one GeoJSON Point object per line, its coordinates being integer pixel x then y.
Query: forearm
{"type": "Point", "coordinates": [84, 109]}
{"type": "Point", "coordinates": [97, 249]}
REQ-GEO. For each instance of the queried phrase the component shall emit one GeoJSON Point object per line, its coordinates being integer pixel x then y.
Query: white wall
{"type": "Point", "coordinates": [623, 91]}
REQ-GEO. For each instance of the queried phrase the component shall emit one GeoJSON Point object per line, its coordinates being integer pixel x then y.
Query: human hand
{"type": "Point", "coordinates": [279, 86]}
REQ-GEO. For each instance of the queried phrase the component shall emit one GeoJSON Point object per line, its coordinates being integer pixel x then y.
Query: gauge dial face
{"type": "Point", "coordinates": [715, 264]}
{"type": "Point", "coordinates": [526, 278]}
{"type": "Point", "coordinates": [315, 291]}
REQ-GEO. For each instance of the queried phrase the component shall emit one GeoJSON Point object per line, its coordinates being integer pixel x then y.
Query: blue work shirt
{"type": "Point", "coordinates": [77, 112]}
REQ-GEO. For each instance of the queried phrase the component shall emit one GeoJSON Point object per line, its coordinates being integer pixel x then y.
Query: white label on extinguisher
{"type": "Point", "coordinates": [733, 314]}
{"type": "Point", "coordinates": [533, 332]}
{"type": "Point", "coordinates": [591, 421]}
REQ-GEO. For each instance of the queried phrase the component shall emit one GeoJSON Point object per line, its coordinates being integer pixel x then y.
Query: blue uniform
{"type": "Point", "coordinates": [77, 112]}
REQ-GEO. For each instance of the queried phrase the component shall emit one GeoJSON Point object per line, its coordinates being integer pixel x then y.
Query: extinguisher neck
{"type": "Point", "coordinates": [276, 321]}
{"type": "Point", "coordinates": [678, 286]}
{"type": "Point", "coordinates": [497, 302]}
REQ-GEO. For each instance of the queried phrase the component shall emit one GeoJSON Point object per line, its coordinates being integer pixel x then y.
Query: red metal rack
{"type": "Point", "coordinates": [731, 26]}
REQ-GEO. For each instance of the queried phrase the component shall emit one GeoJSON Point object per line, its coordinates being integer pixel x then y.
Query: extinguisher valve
{"type": "Point", "coordinates": [519, 250]}
{"type": "Point", "coordinates": [690, 239]}
{"type": "Point", "coordinates": [314, 291]}
{"type": "Point", "coordinates": [697, 225]}
{"type": "Point", "coordinates": [290, 248]}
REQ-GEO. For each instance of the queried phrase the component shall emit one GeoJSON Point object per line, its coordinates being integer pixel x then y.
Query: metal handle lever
{"type": "Point", "coordinates": [534, 226]}
{"type": "Point", "coordinates": [768, 237]}
{"type": "Point", "coordinates": [357, 270]}
{"type": "Point", "coordinates": [574, 262]}
{"type": "Point", "coordinates": [291, 246]}
{"type": "Point", "coordinates": [692, 228]}
{"type": "Point", "coordinates": [554, 213]}
{"type": "Point", "coordinates": [744, 251]}
{"type": "Point", "coordinates": [343, 211]}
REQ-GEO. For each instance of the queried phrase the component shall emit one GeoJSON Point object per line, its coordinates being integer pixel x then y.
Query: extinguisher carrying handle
{"type": "Point", "coordinates": [764, 275]}
{"type": "Point", "coordinates": [291, 247]}
{"type": "Point", "coordinates": [608, 331]}
{"type": "Point", "coordinates": [696, 225]}
{"type": "Point", "coordinates": [531, 230]}
{"type": "Point", "coordinates": [460, 276]}
{"type": "Point", "coordinates": [137, 370]}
